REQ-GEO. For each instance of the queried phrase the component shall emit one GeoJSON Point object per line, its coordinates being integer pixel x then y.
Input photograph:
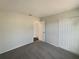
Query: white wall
{"type": "Point", "coordinates": [62, 30]}
{"type": "Point", "coordinates": [15, 30]}
{"type": "Point", "coordinates": [51, 31]}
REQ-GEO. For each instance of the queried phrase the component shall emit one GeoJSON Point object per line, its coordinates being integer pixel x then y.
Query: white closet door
{"type": "Point", "coordinates": [69, 34]}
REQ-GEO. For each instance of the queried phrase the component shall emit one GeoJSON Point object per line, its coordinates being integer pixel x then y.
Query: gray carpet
{"type": "Point", "coordinates": [38, 50]}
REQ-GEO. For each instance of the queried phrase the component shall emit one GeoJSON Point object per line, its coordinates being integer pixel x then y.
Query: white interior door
{"type": "Point", "coordinates": [39, 29]}
{"type": "Point", "coordinates": [42, 30]}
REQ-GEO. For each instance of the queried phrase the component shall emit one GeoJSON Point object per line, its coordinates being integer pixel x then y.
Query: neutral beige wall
{"type": "Point", "coordinates": [62, 30]}
{"type": "Point", "coordinates": [15, 30]}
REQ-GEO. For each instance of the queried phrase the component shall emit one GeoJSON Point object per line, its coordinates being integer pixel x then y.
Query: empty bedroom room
{"type": "Point", "coordinates": [39, 29]}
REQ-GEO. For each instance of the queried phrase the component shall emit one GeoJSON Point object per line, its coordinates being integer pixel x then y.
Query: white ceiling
{"type": "Point", "coordinates": [38, 8]}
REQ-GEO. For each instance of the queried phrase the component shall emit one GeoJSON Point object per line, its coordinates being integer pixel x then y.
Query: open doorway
{"type": "Point", "coordinates": [39, 29]}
